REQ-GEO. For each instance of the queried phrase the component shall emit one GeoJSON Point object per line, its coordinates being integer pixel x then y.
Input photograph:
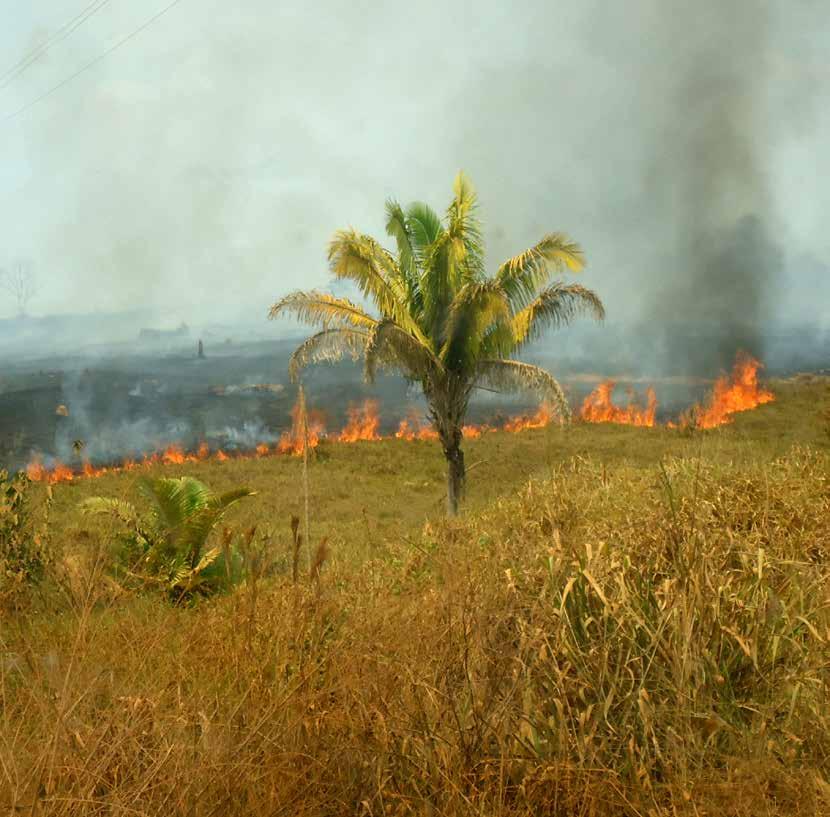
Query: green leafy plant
{"type": "Point", "coordinates": [24, 544]}
{"type": "Point", "coordinates": [168, 547]}
{"type": "Point", "coordinates": [441, 320]}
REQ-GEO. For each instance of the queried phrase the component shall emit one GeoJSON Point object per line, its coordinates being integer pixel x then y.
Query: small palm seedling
{"type": "Point", "coordinates": [167, 547]}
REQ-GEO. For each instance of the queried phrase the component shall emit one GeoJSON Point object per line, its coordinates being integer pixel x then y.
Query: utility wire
{"type": "Point", "coordinates": [92, 62]}
{"type": "Point", "coordinates": [61, 34]}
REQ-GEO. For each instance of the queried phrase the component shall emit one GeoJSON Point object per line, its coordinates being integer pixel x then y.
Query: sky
{"type": "Point", "coordinates": [201, 168]}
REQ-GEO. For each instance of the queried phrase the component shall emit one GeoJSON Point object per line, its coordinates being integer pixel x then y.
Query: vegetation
{"type": "Point", "coordinates": [24, 549]}
{"type": "Point", "coordinates": [168, 547]}
{"type": "Point", "coordinates": [626, 621]}
{"type": "Point", "coordinates": [442, 321]}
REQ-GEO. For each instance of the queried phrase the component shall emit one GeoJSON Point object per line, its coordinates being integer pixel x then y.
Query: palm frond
{"type": "Point", "coordinates": [466, 246]}
{"type": "Point", "coordinates": [322, 309]}
{"type": "Point", "coordinates": [424, 227]}
{"type": "Point", "coordinates": [124, 511]}
{"type": "Point", "coordinates": [512, 375]}
{"type": "Point", "coordinates": [389, 346]}
{"type": "Point", "coordinates": [330, 345]}
{"type": "Point", "coordinates": [475, 311]}
{"type": "Point", "coordinates": [398, 227]}
{"type": "Point", "coordinates": [522, 276]}
{"type": "Point", "coordinates": [556, 306]}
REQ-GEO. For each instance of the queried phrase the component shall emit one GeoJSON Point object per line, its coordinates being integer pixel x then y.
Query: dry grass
{"type": "Point", "coordinates": [623, 634]}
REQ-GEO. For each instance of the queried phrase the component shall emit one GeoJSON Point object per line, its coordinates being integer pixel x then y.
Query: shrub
{"type": "Point", "coordinates": [167, 547]}
{"type": "Point", "coordinates": [24, 545]}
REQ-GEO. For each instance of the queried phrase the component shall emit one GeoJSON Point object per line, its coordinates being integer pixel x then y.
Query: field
{"type": "Point", "coordinates": [624, 621]}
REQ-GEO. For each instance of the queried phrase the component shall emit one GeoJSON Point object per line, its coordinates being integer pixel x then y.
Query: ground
{"type": "Point", "coordinates": [623, 621]}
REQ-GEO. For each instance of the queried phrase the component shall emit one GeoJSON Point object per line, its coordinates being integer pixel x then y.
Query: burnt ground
{"type": "Point", "coordinates": [132, 400]}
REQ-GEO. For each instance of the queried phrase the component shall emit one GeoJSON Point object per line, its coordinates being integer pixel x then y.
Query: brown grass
{"type": "Point", "coordinates": [619, 635]}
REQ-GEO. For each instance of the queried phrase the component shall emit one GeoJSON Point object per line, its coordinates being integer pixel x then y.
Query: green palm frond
{"type": "Point", "coordinates": [476, 310]}
{"type": "Point", "coordinates": [391, 347]}
{"type": "Point", "coordinates": [424, 227]}
{"type": "Point", "coordinates": [322, 309]}
{"type": "Point", "coordinates": [398, 228]}
{"type": "Point", "coordinates": [466, 246]}
{"type": "Point", "coordinates": [124, 511]}
{"type": "Point", "coordinates": [522, 276]}
{"type": "Point", "coordinates": [556, 306]}
{"type": "Point", "coordinates": [512, 375]}
{"type": "Point", "coordinates": [330, 345]}
{"type": "Point", "coordinates": [173, 499]}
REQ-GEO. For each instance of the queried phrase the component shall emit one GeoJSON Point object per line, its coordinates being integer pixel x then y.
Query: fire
{"type": "Point", "coordinates": [543, 416]}
{"type": "Point", "coordinates": [292, 441]}
{"type": "Point", "coordinates": [414, 428]}
{"type": "Point", "coordinates": [173, 455]}
{"type": "Point", "coordinates": [363, 423]}
{"type": "Point", "coordinates": [598, 407]}
{"type": "Point", "coordinates": [733, 393]}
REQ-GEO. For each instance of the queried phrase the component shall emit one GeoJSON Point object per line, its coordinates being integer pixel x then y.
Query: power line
{"type": "Point", "coordinates": [61, 34]}
{"type": "Point", "coordinates": [93, 62]}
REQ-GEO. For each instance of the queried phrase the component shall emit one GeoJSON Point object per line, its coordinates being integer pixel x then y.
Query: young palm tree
{"type": "Point", "coordinates": [441, 320]}
{"type": "Point", "coordinates": [167, 547]}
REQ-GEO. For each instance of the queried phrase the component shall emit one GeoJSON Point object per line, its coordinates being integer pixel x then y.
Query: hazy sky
{"type": "Point", "coordinates": [202, 167]}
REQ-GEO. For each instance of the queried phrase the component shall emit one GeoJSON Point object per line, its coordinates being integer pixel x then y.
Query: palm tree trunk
{"type": "Point", "coordinates": [455, 474]}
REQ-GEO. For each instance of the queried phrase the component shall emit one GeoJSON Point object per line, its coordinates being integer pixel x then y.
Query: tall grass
{"type": "Point", "coordinates": [608, 641]}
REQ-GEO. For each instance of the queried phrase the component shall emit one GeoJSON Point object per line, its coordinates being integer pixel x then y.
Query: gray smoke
{"type": "Point", "coordinates": [201, 169]}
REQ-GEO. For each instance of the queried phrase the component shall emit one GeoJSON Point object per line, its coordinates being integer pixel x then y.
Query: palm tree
{"type": "Point", "coordinates": [167, 547]}
{"type": "Point", "coordinates": [441, 320]}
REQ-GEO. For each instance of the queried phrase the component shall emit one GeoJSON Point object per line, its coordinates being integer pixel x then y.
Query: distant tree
{"type": "Point", "coordinates": [442, 321]}
{"type": "Point", "coordinates": [19, 282]}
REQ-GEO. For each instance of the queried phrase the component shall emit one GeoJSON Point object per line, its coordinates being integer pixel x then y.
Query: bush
{"type": "Point", "coordinates": [167, 547]}
{"type": "Point", "coordinates": [24, 544]}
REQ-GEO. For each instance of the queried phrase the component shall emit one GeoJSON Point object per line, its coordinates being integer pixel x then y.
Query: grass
{"type": "Point", "coordinates": [624, 622]}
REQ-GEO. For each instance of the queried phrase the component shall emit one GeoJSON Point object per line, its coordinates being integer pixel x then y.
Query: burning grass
{"type": "Point", "coordinates": [614, 637]}
{"type": "Point", "coordinates": [733, 393]}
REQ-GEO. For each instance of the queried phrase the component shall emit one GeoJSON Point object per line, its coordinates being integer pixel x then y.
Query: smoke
{"type": "Point", "coordinates": [202, 168]}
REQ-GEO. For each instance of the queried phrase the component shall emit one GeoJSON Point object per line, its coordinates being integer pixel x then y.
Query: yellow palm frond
{"type": "Point", "coordinates": [390, 346]}
{"type": "Point", "coordinates": [322, 309]}
{"type": "Point", "coordinates": [523, 275]}
{"type": "Point", "coordinates": [330, 345]}
{"type": "Point", "coordinates": [513, 375]}
{"type": "Point", "coordinates": [556, 306]}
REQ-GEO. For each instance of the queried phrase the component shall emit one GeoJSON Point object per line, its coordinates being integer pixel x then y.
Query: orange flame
{"type": "Point", "coordinates": [732, 393]}
{"type": "Point", "coordinates": [414, 428]}
{"type": "Point", "coordinates": [598, 407]}
{"type": "Point", "coordinates": [363, 423]}
{"type": "Point", "coordinates": [543, 416]}
{"type": "Point", "coordinates": [292, 441]}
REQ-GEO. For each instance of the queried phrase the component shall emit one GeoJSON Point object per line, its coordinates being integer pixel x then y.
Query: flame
{"type": "Point", "coordinates": [363, 423]}
{"type": "Point", "coordinates": [173, 455]}
{"type": "Point", "coordinates": [733, 393]}
{"type": "Point", "coordinates": [414, 428]}
{"type": "Point", "coordinates": [291, 442]}
{"type": "Point", "coordinates": [543, 416]}
{"type": "Point", "coordinates": [598, 407]}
